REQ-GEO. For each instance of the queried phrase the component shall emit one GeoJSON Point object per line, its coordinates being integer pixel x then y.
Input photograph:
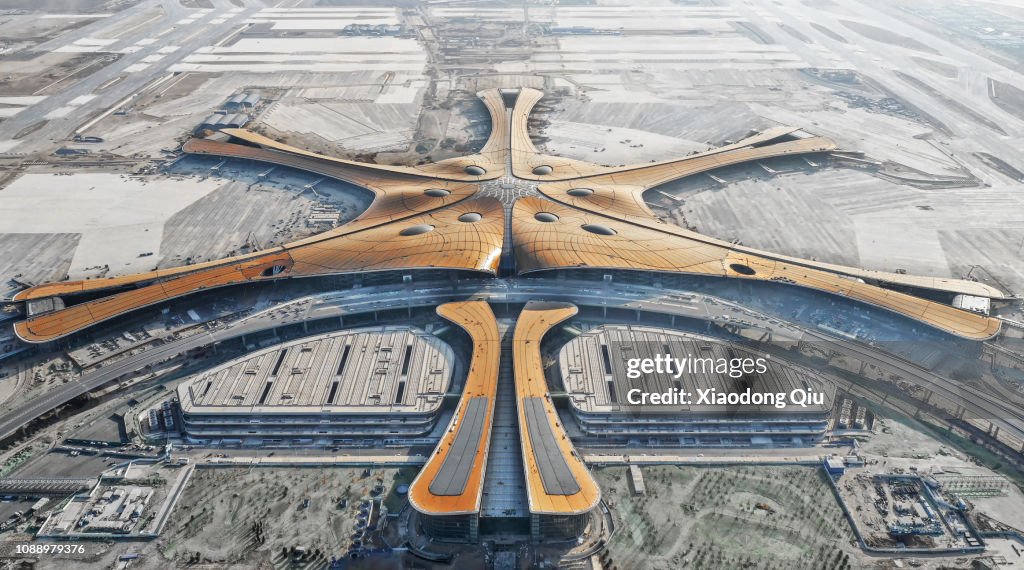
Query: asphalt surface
{"type": "Point", "coordinates": [188, 37]}
{"type": "Point", "coordinates": [338, 304]}
{"type": "Point", "coordinates": [91, 381]}
{"type": "Point", "coordinates": [202, 33]}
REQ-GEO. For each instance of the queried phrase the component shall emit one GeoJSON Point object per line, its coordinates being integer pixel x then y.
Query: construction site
{"type": "Point", "coordinates": [318, 284]}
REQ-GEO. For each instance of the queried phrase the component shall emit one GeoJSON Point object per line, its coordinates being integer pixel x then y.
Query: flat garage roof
{"type": "Point", "coordinates": [593, 367]}
{"type": "Point", "coordinates": [380, 369]}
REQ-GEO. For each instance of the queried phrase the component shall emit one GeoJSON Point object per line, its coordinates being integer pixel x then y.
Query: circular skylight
{"type": "Point", "coordinates": [416, 230]}
{"type": "Point", "coordinates": [598, 229]}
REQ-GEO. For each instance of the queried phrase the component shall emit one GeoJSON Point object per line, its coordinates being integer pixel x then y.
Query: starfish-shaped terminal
{"type": "Point", "coordinates": [441, 215]}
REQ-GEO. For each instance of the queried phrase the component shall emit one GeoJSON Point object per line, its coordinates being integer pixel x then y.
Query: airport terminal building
{"type": "Point", "coordinates": [594, 370]}
{"type": "Point", "coordinates": [341, 388]}
{"type": "Point", "coordinates": [505, 466]}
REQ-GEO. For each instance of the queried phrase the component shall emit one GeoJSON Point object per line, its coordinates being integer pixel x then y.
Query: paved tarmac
{"type": "Point", "coordinates": [338, 304]}
{"type": "Point", "coordinates": [188, 38]}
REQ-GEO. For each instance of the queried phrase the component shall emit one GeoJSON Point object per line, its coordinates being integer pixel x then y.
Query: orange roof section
{"type": "Point", "coordinates": [618, 191]}
{"type": "Point", "coordinates": [491, 157]}
{"type": "Point", "coordinates": [399, 191]}
{"type": "Point", "coordinates": [418, 195]}
{"type": "Point", "coordinates": [441, 239]}
{"type": "Point", "coordinates": [477, 319]}
{"type": "Point", "coordinates": [625, 202]}
{"type": "Point", "coordinates": [578, 239]}
{"type": "Point", "coordinates": [396, 197]}
{"type": "Point", "coordinates": [576, 491]}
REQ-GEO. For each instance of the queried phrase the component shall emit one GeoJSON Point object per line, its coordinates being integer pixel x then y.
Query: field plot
{"type": "Point", "coordinates": [321, 55]}
{"type": "Point", "coordinates": [356, 125]}
{"type": "Point", "coordinates": [111, 224]}
{"type": "Point", "coordinates": [298, 507]}
{"type": "Point", "coordinates": [760, 517]}
{"type": "Point", "coordinates": [33, 258]}
{"type": "Point", "coordinates": [843, 216]}
{"type": "Point", "coordinates": [33, 77]}
{"type": "Point", "coordinates": [245, 212]}
{"type": "Point", "coordinates": [88, 207]}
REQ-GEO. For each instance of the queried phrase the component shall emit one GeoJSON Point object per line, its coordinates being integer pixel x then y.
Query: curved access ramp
{"type": "Point", "coordinates": [549, 235]}
{"type": "Point", "coordinates": [557, 480]}
{"type": "Point", "coordinates": [447, 238]}
{"type": "Point", "coordinates": [451, 482]}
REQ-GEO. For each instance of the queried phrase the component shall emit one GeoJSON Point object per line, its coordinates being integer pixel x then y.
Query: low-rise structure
{"type": "Point", "coordinates": [333, 389]}
{"type": "Point", "coordinates": [595, 372]}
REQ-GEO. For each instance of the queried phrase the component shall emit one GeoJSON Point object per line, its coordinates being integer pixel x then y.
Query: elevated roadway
{"type": "Point", "coordinates": [557, 480]}
{"type": "Point", "coordinates": [595, 218]}
{"type": "Point", "coordinates": [550, 235]}
{"type": "Point", "coordinates": [452, 481]}
{"type": "Point", "coordinates": [1005, 415]}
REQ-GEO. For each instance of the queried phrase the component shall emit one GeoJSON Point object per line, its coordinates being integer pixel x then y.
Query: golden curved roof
{"type": "Point", "coordinates": [557, 480]}
{"type": "Point", "coordinates": [618, 191]}
{"type": "Point", "coordinates": [429, 494]}
{"type": "Point", "coordinates": [491, 157]}
{"type": "Point", "coordinates": [396, 197]}
{"type": "Point", "coordinates": [404, 194]}
{"type": "Point", "coordinates": [566, 243]}
{"type": "Point", "coordinates": [436, 240]}
{"type": "Point", "coordinates": [625, 202]}
{"type": "Point", "coordinates": [526, 158]}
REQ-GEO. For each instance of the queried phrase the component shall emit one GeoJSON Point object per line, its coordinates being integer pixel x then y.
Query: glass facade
{"type": "Point", "coordinates": [557, 528]}
{"type": "Point", "coordinates": [451, 528]}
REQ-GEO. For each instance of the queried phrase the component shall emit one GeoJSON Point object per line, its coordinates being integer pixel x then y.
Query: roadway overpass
{"type": "Point", "coordinates": [1004, 415]}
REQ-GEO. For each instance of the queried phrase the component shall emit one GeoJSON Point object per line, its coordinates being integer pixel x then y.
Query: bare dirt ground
{"type": "Point", "coordinates": [43, 74]}
{"type": "Point", "coordinates": [217, 510]}
{"type": "Point", "coordinates": [758, 517]}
